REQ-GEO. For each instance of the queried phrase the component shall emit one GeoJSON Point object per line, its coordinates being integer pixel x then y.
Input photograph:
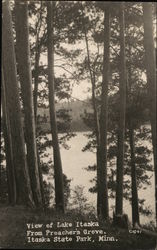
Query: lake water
{"type": "Point", "coordinates": [75, 161]}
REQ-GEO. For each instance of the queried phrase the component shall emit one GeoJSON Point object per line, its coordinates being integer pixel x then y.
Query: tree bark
{"type": "Point", "coordinates": [11, 182]}
{"type": "Point", "coordinates": [102, 193]}
{"type": "Point", "coordinates": [104, 210]}
{"type": "Point", "coordinates": [58, 175]}
{"type": "Point", "coordinates": [135, 208]}
{"type": "Point", "coordinates": [24, 193]}
{"type": "Point", "coordinates": [0, 181]}
{"type": "Point", "coordinates": [121, 127]}
{"type": "Point", "coordinates": [150, 64]}
{"type": "Point", "coordinates": [36, 77]}
{"type": "Point", "coordinates": [24, 67]}
{"type": "Point", "coordinates": [36, 67]}
{"type": "Point", "coordinates": [96, 119]}
{"type": "Point", "coordinates": [131, 127]}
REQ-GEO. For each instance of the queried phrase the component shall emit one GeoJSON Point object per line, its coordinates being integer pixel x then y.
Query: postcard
{"type": "Point", "coordinates": [78, 125]}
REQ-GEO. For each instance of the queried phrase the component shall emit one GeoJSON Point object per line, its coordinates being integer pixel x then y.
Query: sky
{"type": "Point", "coordinates": [79, 89]}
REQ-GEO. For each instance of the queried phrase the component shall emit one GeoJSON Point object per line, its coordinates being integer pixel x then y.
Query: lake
{"type": "Point", "coordinates": [75, 161]}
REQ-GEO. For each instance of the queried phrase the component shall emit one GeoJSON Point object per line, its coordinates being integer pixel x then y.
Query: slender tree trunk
{"type": "Point", "coordinates": [36, 78]}
{"type": "Point", "coordinates": [102, 193]}
{"type": "Point", "coordinates": [104, 210]}
{"type": "Point", "coordinates": [24, 66]}
{"type": "Point", "coordinates": [41, 181]}
{"type": "Point", "coordinates": [150, 64]}
{"type": "Point", "coordinates": [96, 119]}
{"type": "Point", "coordinates": [8, 149]}
{"type": "Point", "coordinates": [0, 182]}
{"type": "Point", "coordinates": [92, 78]}
{"type": "Point", "coordinates": [58, 175]}
{"type": "Point", "coordinates": [135, 208]}
{"type": "Point", "coordinates": [35, 98]}
{"type": "Point", "coordinates": [121, 129]}
{"type": "Point", "coordinates": [35, 94]}
{"type": "Point", "coordinates": [37, 59]}
{"type": "Point", "coordinates": [35, 101]}
{"type": "Point", "coordinates": [98, 159]}
{"type": "Point", "coordinates": [24, 192]}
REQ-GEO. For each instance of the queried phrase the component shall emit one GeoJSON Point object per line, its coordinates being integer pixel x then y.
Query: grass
{"type": "Point", "coordinates": [13, 228]}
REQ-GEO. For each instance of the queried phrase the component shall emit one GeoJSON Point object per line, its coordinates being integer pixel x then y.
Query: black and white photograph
{"type": "Point", "coordinates": [78, 158]}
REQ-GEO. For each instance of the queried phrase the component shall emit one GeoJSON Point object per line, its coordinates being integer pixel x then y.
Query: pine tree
{"type": "Point", "coordinates": [151, 79]}
{"type": "Point", "coordinates": [24, 68]}
{"type": "Point", "coordinates": [134, 198]}
{"type": "Point", "coordinates": [24, 193]}
{"type": "Point", "coordinates": [104, 117]}
{"type": "Point", "coordinates": [122, 108]}
{"type": "Point", "coordinates": [58, 175]}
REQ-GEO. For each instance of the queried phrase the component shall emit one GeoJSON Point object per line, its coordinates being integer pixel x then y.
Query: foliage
{"type": "Point", "coordinates": [80, 201]}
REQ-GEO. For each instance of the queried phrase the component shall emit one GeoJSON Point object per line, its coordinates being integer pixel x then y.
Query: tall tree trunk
{"type": "Point", "coordinates": [135, 208]}
{"type": "Point", "coordinates": [36, 78]}
{"type": "Point", "coordinates": [58, 175]}
{"type": "Point", "coordinates": [151, 79]}
{"type": "Point", "coordinates": [24, 66]}
{"type": "Point", "coordinates": [104, 210]}
{"type": "Point", "coordinates": [24, 193]}
{"type": "Point", "coordinates": [37, 59]}
{"type": "Point", "coordinates": [11, 183]}
{"type": "Point", "coordinates": [35, 94]}
{"type": "Point", "coordinates": [121, 128]}
{"type": "Point", "coordinates": [0, 181]}
{"type": "Point", "coordinates": [96, 120]}
{"type": "Point", "coordinates": [35, 101]}
{"type": "Point", "coordinates": [41, 180]}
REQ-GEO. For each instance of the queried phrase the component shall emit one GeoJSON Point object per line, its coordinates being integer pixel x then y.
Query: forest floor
{"type": "Point", "coordinates": [14, 230]}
